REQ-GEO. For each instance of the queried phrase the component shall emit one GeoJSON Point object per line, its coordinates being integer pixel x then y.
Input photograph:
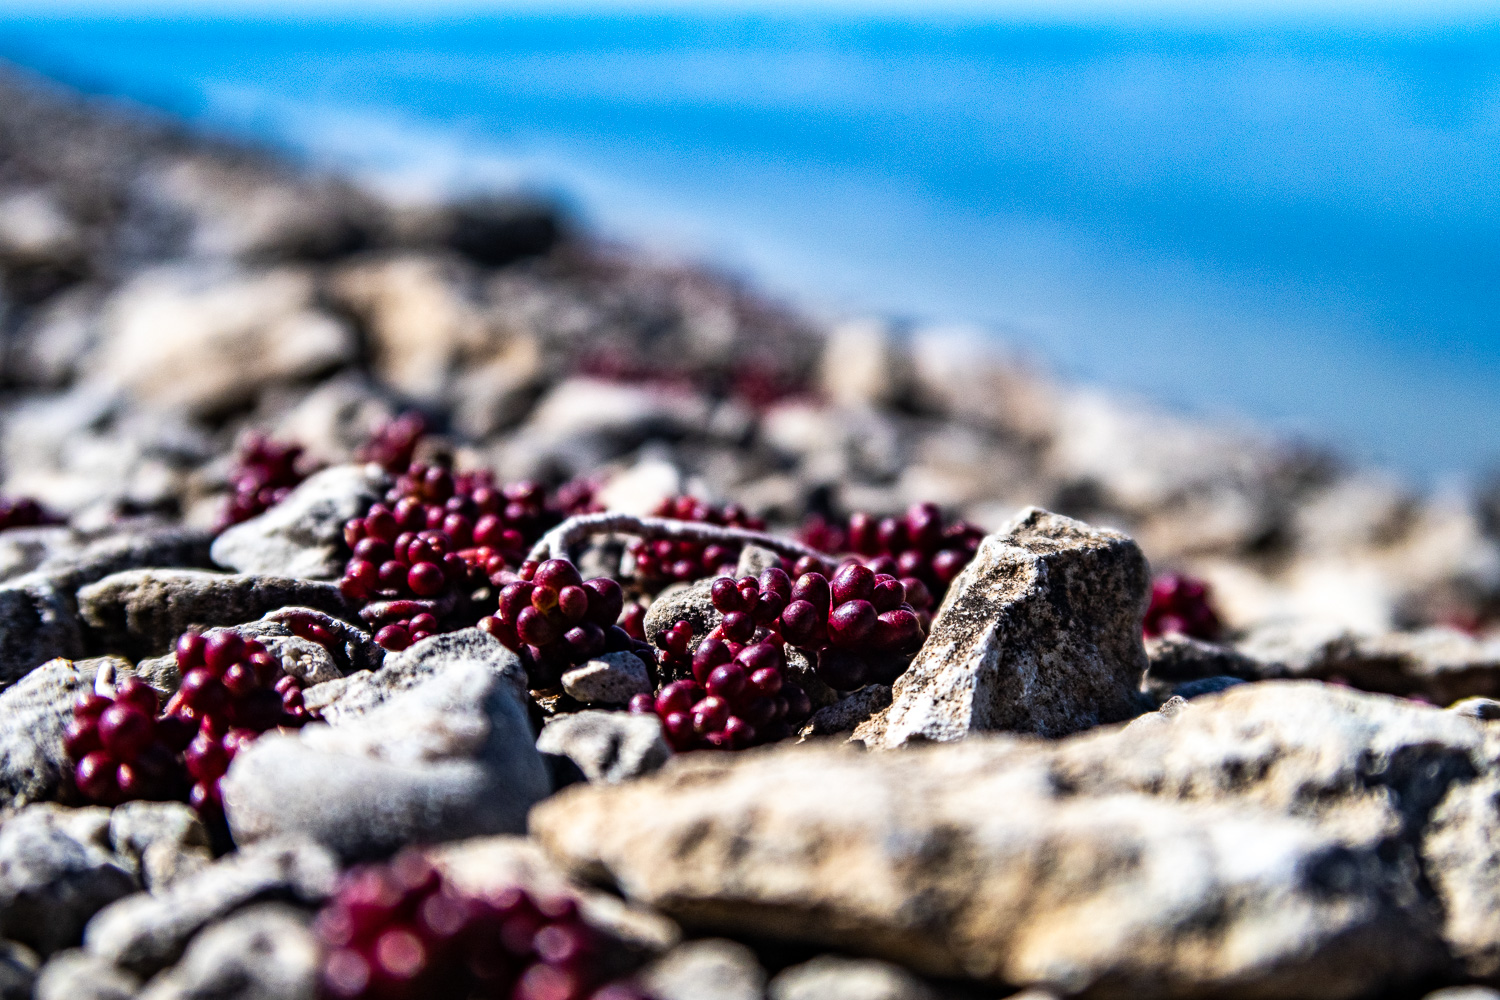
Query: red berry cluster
{"type": "Point", "coordinates": [438, 533]}
{"type": "Point", "coordinates": [918, 545]}
{"type": "Point", "coordinates": [556, 619]}
{"type": "Point", "coordinates": [738, 697]}
{"type": "Point", "coordinates": [232, 690]}
{"type": "Point", "coordinates": [24, 513]}
{"type": "Point", "coordinates": [394, 442]}
{"type": "Point", "coordinates": [861, 625]}
{"type": "Point", "coordinates": [666, 560]}
{"type": "Point", "coordinates": [265, 471]}
{"type": "Point", "coordinates": [1181, 603]}
{"type": "Point", "coordinates": [400, 931]}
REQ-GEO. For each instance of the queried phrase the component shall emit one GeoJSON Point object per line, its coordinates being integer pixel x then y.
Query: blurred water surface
{"type": "Point", "coordinates": [1292, 222]}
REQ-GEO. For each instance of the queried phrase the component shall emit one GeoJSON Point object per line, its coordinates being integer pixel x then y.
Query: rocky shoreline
{"type": "Point", "coordinates": [429, 601]}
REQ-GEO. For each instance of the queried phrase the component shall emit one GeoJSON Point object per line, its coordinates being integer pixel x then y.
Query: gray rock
{"type": "Point", "coordinates": [303, 535]}
{"type": "Point", "coordinates": [351, 696]}
{"type": "Point", "coordinates": [34, 716]}
{"type": "Point", "coordinates": [352, 647]}
{"type": "Point", "coordinates": [691, 603]}
{"type": "Point", "coordinates": [308, 661]}
{"type": "Point", "coordinates": [24, 549]}
{"type": "Point", "coordinates": [142, 612]}
{"type": "Point", "coordinates": [846, 714]}
{"type": "Point", "coordinates": [1118, 864]}
{"type": "Point", "coordinates": [830, 977]}
{"type": "Point", "coordinates": [147, 932]}
{"type": "Point", "coordinates": [706, 970]}
{"type": "Point", "coordinates": [166, 840]}
{"type": "Point", "coordinates": [612, 679]}
{"type": "Point", "coordinates": [1483, 709]}
{"type": "Point", "coordinates": [607, 746]}
{"type": "Point", "coordinates": [264, 952]}
{"type": "Point", "coordinates": [38, 622]}
{"type": "Point", "coordinates": [18, 967]}
{"type": "Point", "coordinates": [423, 759]}
{"type": "Point", "coordinates": [1162, 692]}
{"type": "Point", "coordinates": [77, 975]}
{"type": "Point", "coordinates": [57, 871]}
{"type": "Point", "coordinates": [754, 560]}
{"type": "Point", "coordinates": [1175, 658]}
{"type": "Point", "coordinates": [1041, 633]}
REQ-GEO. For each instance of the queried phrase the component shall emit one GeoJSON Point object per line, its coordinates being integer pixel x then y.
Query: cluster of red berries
{"type": "Point", "coordinates": [738, 696]}
{"type": "Point", "coordinates": [265, 471]}
{"type": "Point", "coordinates": [860, 624]}
{"type": "Point", "coordinates": [400, 931]}
{"type": "Point", "coordinates": [918, 545]}
{"type": "Point", "coordinates": [666, 560]}
{"type": "Point", "coordinates": [438, 533]}
{"type": "Point", "coordinates": [556, 619]}
{"type": "Point", "coordinates": [24, 512]}
{"type": "Point", "coordinates": [1183, 604]}
{"type": "Point", "coordinates": [394, 442]}
{"type": "Point", "coordinates": [232, 690]}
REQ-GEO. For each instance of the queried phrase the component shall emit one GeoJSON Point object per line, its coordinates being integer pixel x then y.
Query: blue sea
{"type": "Point", "coordinates": [1290, 221]}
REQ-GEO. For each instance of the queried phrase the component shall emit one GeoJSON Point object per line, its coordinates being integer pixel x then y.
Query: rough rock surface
{"type": "Point", "coordinates": [166, 840]}
{"type": "Point", "coordinates": [848, 713]}
{"type": "Point", "coordinates": [1083, 881]}
{"type": "Point", "coordinates": [691, 603]}
{"type": "Point", "coordinates": [607, 746]}
{"type": "Point", "coordinates": [57, 871]}
{"type": "Point", "coordinates": [78, 975]}
{"type": "Point", "coordinates": [147, 932]}
{"type": "Point", "coordinates": [1039, 634]}
{"type": "Point", "coordinates": [34, 715]}
{"type": "Point", "coordinates": [609, 680]}
{"type": "Point", "coordinates": [451, 756]}
{"type": "Point", "coordinates": [303, 535]}
{"type": "Point", "coordinates": [264, 952]}
{"type": "Point", "coordinates": [142, 612]}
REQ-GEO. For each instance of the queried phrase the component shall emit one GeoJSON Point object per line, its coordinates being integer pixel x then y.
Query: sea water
{"type": "Point", "coordinates": [1295, 222]}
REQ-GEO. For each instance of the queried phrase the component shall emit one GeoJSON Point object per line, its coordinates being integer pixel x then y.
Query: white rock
{"type": "Point", "coordinates": [610, 680]}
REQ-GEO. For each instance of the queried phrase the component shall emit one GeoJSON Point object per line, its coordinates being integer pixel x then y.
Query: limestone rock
{"type": "Point", "coordinates": [77, 975]}
{"type": "Point", "coordinates": [1041, 633]}
{"type": "Point", "coordinates": [715, 969]}
{"type": "Point", "coordinates": [830, 977]}
{"type": "Point", "coordinates": [146, 932]}
{"type": "Point", "coordinates": [142, 612]}
{"type": "Point", "coordinates": [450, 756]}
{"type": "Point", "coordinates": [264, 952]}
{"type": "Point", "coordinates": [609, 680]}
{"type": "Point", "coordinates": [1117, 866]}
{"type": "Point", "coordinates": [56, 871]}
{"type": "Point", "coordinates": [34, 715]}
{"type": "Point", "coordinates": [303, 535]}
{"type": "Point", "coordinates": [607, 746]}
{"type": "Point", "coordinates": [166, 840]}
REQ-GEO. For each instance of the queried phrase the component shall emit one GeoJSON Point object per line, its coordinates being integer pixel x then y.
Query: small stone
{"type": "Point", "coordinates": [609, 680]}
{"type": "Point", "coordinates": [1040, 633]}
{"type": "Point", "coordinates": [142, 612]}
{"type": "Point", "coordinates": [607, 746]}
{"type": "Point", "coordinates": [303, 535]}
{"type": "Point", "coordinates": [755, 560]}
{"type": "Point", "coordinates": [846, 714]}
{"type": "Point", "coordinates": [831, 977]}
{"type": "Point", "coordinates": [77, 975]}
{"type": "Point", "coordinates": [692, 603]}
{"type": "Point", "coordinates": [147, 932]}
{"type": "Point", "coordinates": [264, 952]}
{"type": "Point", "coordinates": [167, 841]}
{"type": "Point", "coordinates": [34, 716]}
{"type": "Point", "coordinates": [714, 969]}
{"type": "Point", "coordinates": [423, 759]}
{"type": "Point", "coordinates": [1483, 709]}
{"type": "Point", "coordinates": [56, 872]}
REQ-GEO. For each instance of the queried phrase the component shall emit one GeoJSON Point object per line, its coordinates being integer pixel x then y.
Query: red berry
{"type": "Point", "coordinates": [124, 731]}
{"type": "Point", "coordinates": [425, 579]}
{"type": "Point", "coordinates": [851, 623]}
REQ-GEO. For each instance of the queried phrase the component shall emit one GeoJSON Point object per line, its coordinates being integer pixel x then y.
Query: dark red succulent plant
{"type": "Point", "coordinates": [1182, 604]}
{"type": "Point", "coordinates": [668, 560]}
{"type": "Point", "coordinates": [265, 471]}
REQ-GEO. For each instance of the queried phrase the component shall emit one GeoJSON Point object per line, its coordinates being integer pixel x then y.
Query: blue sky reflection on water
{"type": "Point", "coordinates": [1295, 222]}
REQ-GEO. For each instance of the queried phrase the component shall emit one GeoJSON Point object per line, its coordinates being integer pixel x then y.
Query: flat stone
{"type": "Point", "coordinates": [607, 746]}
{"type": "Point", "coordinates": [263, 952]}
{"type": "Point", "coordinates": [1118, 865]}
{"type": "Point", "coordinates": [34, 716]}
{"type": "Point", "coordinates": [303, 535]}
{"type": "Point", "coordinates": [147, 932]}
{"type": "Point", "coordinates": [57, 871]}
{"type": "Point", "coordinates": [715, 969]}
{"type": "Point", "coordinates": [451, 756]}
{"type": "Point", "coordinates": [142, 612]}
{"type": "Point", "coordinates": [1040, 633]}
{"type": "Point", "coordinates": [612, 679]}
{"type": "Point", "coordinates": [831, 977]}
